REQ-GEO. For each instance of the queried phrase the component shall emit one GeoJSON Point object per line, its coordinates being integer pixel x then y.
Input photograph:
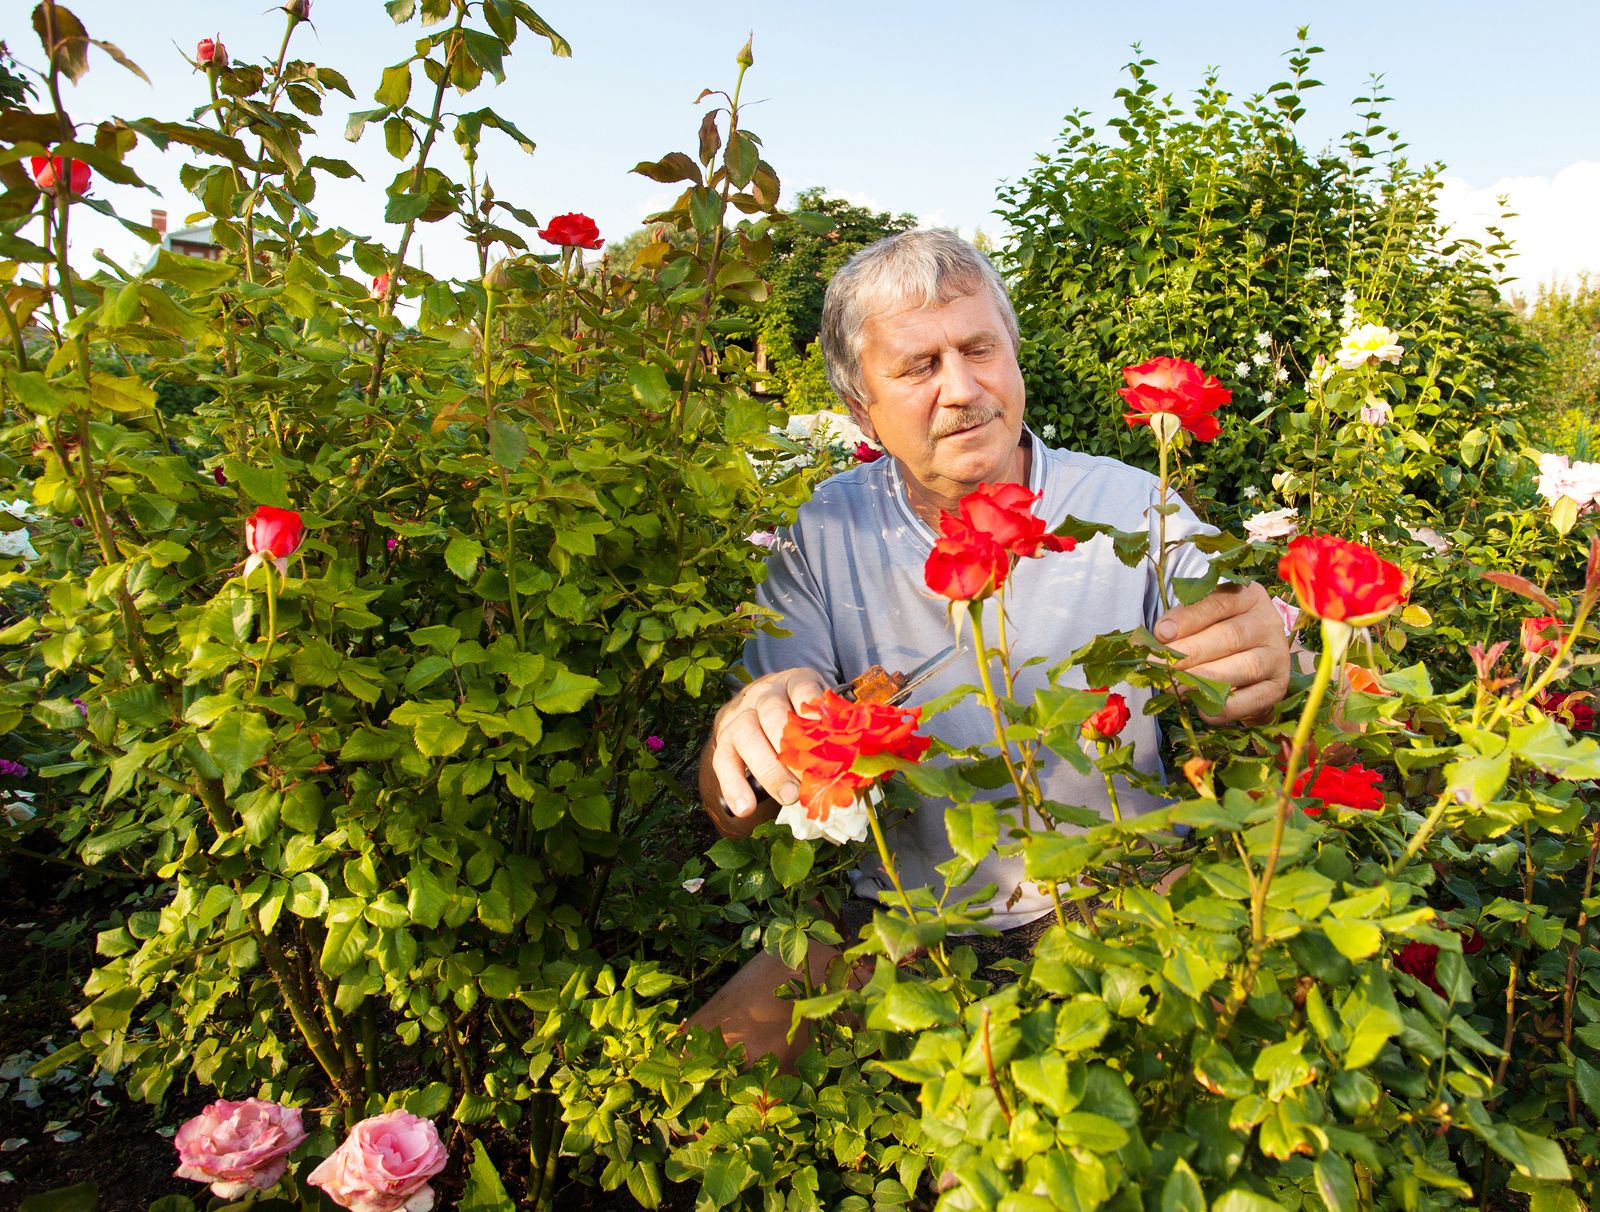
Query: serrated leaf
{"type": "Point", "coordinates": [461, 556]}
{"type": "Point", "coordinates": [507, 443]}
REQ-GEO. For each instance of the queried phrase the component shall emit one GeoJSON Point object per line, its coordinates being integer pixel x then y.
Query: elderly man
{"type": "Point", "coordinates": [920, 341]}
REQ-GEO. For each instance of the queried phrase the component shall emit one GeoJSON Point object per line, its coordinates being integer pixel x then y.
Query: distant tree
{"type": "Point", "coordinates": [804, 258]}
{"type": "Point", "coordinates": [1565, 324]}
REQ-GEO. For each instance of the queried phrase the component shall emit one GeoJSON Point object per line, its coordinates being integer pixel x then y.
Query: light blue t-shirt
{"type": "Point", "coordinates": [848, 579]}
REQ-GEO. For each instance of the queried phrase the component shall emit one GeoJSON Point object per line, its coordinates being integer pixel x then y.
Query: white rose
{"type": "Point", "coordinates": [1273, 524]}
{"type": "Point", "coordinates": [1368, 343]}
{"type": "Point", "coordinates": [694, 885]}
{"type": "Point", "coordinates": [840, 825]}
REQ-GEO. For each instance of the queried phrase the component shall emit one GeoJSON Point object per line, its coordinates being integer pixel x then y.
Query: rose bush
{"type": "Point", "coordinates": [391, 809]}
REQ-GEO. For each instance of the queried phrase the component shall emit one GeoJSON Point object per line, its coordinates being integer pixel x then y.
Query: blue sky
{"type": "Point", "coordinates": [921, 107]}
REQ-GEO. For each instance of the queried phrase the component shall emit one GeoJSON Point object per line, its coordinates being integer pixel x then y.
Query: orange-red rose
{"type": "Point", "coordinates": [272, 532]}
{"type": "Point", "coordinates": [1542, 636]}
{"type": "Point", "coordinates": [48, 171]}
{"type": "Point", "coordinates": [1351, 787]}
{"type": "Point", "coordinates": [822, 750]}
{"type": "Point", "coordinates": [1340, 580]}
{"type": "Point", "coordinates": [574, 230]}
{"type": "Point", "coordinates": [1178, 387]}
{"type": "Point", "coordinates": [975, 548]}
{"type": "Point", "coordinates": [1110, 719]}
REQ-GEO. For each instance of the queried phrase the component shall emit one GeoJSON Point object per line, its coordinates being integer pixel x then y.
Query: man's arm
{"type": "Point", "coordinates": [745, 738]}
{"type": "Point", "coordinates": [1233, 635]}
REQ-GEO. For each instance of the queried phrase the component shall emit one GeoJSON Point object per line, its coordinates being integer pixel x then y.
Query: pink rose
{"type": "Point", "coordinates": [1288, 612]}
{"type": "Point", "coordinates": [384, 1165]}
{"type": "Point", "coordinates": [238, 1147]}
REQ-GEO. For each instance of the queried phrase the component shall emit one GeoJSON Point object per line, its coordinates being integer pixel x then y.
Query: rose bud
{"type": "Point", "coordinates": [380, 286]}
{"type": "Point", "coordinates": [47, 171]}
{"type": "Point", "coordinates": [209, 52]}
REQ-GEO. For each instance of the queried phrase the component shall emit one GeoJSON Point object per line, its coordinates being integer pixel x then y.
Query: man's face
{"type": "Point", "coordinates": [943, 394]}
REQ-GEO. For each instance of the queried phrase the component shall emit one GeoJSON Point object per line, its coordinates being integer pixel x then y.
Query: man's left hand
{"type": "Point", "coordinates": [1232, 635]}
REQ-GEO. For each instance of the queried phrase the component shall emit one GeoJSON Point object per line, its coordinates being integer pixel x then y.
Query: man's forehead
{"type": "Point", "coordinates": [962, 318]}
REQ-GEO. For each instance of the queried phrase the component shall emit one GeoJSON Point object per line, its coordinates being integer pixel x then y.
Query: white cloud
{"type": "Point", "coordinates": [1553, 230]}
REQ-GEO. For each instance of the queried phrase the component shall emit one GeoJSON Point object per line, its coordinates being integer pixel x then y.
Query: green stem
{"type": "Point", "coordinates": [489, 405]}
{"type": "Point", "coordinates": [272, 625]}
{"type": "Point", "coordinates": [887, 859]}
{"type": "Point", "coordinates": [386, 305]}
{"type": "Point", "coordinates": [1335, 639]}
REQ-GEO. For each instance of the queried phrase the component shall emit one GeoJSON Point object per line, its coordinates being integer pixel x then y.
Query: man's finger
{"type": "Point", "coordinates": [748, 736]}
{"type": "Point", "coordinates": [1221, 603]}
{"type": "Point", "coordinates": [1246, 702]}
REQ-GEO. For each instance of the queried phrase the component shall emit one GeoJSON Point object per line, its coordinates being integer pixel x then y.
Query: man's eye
{"type": "Point", "coordinates": [980, 351]}
{"type": "Point", "coordinates": [919, 370]}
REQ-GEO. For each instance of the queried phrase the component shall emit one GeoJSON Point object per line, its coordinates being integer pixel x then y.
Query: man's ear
{"type": "Point", "coordinates": [863, 420]}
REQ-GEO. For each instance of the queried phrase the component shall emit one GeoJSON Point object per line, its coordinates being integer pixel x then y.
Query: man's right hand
{"type": "Point", "coordinates": [745, 738]}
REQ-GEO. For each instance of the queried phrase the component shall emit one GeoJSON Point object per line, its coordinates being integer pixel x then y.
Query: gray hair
{"type": "Point", "coordinates": [923, 268]}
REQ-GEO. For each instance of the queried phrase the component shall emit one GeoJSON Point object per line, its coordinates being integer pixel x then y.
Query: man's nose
{"type": "Point", "coordinates": [958, 386]}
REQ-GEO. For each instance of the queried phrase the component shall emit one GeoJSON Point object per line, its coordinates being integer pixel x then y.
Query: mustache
{"type": "Point", "coordinates": [968, 417]}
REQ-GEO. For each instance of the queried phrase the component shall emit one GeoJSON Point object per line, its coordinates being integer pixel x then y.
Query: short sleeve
{"type": "Point", "coordinates": [793, 590]}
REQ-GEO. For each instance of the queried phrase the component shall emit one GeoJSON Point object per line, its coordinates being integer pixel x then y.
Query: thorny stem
{"type": "Point", "coordinates": [1335, 639]}
{"type": "Point", "coordinates": [505, 477]}
{"type": "Point", "coordinates": [386, 305]}
{"type": "Point", "coordinates": [93, 502]}
{"type": "Point", "coordinates": [988, 1064]}
{"type": "Point", "coordinates": [709, 294]}
{"type": "Point", "coordinates": [291, 20]}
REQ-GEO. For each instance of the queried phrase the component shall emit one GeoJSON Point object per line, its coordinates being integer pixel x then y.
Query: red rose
{"type": "Point", "coordinates": [574, 231]}
{"type": "Point", "coordinates": [965, 564]}
{"type": "Point", "coordinates": [1542, 636]}
{"type": "Point", "coordinates": [275, 533]}
{"type": "Point", "coordinates": [1005, 513]}
{"type": "Point", "coordinates": [1339, 580]}
{"type": "Point", "coordinates": [380, 286]}
{"type": "Point", "coordinates": [866, 452]}
{"type": "Point", "coordinates": [1472, 943]}
{"type": "Point", "coordinates": [47, 171]}
{"type": "Point", "coordinates": [823, 749]}
{"type": "Point", "coordinates": [1175, 386]}
{"type": "Point", "coordinates": [1571, 708]}
{"type": "Point", "coordinates": [974, 551]}
{"type": "Point", "coordinates": [1420, 960]}
{"type": "Point", "coordinates": [1352, 787]}
{"type": "Point", "coordinates": [1110, 719]}
{"type": "Point", "coordinates": [209, 50]}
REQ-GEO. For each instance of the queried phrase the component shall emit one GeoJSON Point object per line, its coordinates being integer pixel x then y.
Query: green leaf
{"type": "Point", "coordinates": [237, 742]}
{"type": "Point", "coordinates": [462, 554]}
{"type": "Point", "coordinates": [1182, 1192]}
{"type": "Point", "coordinates": [394, 90]}
{"type": "Point", "coordinates": [426, 896]}
{"type": "Point", "coordinates": [438, 734]}
{"type": "Point", "coordinates": [84, 1197]}
{"type": "Point", "coordinates": [1336, 1182]}
{"type": "Point", "coordinates": [484, 1191]}
{"type": "Point", "coordinates": [726, 1175]}
{"type": "Point", "coordinates": [791, 860]}
{"type": "Point", "coordinates": [507, 444]}
{"type": "Point", "coordinates": [1587, 1078]}
{"type": "Point", "coordinates": [649, 386]}
{"type": "Point", "coordinates": [915, 1006]}
{"type": "Point", "coordinates": [564, 691]}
